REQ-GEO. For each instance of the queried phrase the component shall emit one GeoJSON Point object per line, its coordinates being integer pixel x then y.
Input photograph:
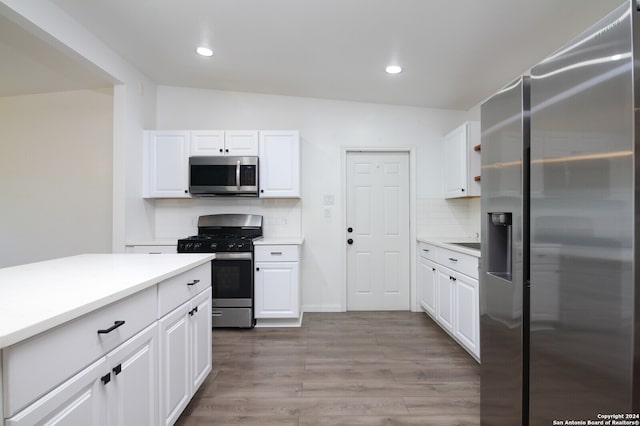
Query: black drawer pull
{"type": "Point", "coordinates": [194, 282]}
{"type": "Point", "coordinates": [276, 253]}
{"type": "Point", "coordinates": [106, 378]}
{"type": "Point", "coordinates": [452, 259]}
{"type": "Point", "coordinates": [113, 327]}
{"type": "Point", "coordinates": [117, 369]}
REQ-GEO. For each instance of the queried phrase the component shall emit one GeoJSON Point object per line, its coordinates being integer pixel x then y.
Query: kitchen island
{"type": "Point", "coordinates": [70, 327]}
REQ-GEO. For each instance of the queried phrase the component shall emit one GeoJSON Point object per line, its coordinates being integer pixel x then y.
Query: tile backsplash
{"type": "Point", "coordinates": [179, 218]}
{"type": "Point", "coordinates": [448, 219]}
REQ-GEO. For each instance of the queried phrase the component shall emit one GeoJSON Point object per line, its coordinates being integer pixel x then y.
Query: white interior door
{"type": "Point", "coordinates": [378, 215]}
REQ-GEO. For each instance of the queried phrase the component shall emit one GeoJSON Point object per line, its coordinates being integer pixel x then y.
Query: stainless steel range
{"type": "Point", "coordinates": [230, 237]}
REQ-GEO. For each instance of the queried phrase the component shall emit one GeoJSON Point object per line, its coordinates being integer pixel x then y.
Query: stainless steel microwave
{"type": "Point", "coordinates": [225, 175]}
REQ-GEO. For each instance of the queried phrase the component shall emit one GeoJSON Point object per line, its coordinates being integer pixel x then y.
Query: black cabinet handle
{"type": "Point", "coordinates": [349, 229]}
{"type": "Point", "coordinates": [115, 325]}
{"type": "Point", "coordinates": [433, 269]}
{"type": "Point", "coordinates": [262, 190]}
{"type": "Point", "coordinates": [194, 282]}
{"type": "Point", "coordinates": [106, 378]}
{"type": "Point", "coordinates": [220, 149]}
{"type": "Point", "coordinates": [226, 150]}
{"type": "Point", "coordinates": [117, 369]}
{"type": "Point", "coordinates": [452, 259]}
{"type": "Point", "coordinates": [193, 311]}
{"type": "Point", "coordinates": [257, 269]}
{"type": "Point", "coordinates": [350, 241]}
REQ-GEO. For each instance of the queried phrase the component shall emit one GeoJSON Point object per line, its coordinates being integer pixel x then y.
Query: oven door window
{"type": "Point", "coordinates": [232, 279]}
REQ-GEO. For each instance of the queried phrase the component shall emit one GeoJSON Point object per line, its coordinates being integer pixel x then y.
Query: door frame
{"type": "Point", "coordinates": [413, 299]}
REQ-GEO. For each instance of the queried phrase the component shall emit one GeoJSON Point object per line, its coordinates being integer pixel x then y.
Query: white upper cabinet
{"type": "Point", "coordinates": [279, 153]}
{"type": "Point", "coordinates": [207, 142]}
{"type": "Point", "coordinates": [462, 161]}
{"type": "Point", "coordinates": [220, 142]}
{"type": "Point", "coordinates": [241, 142]}
{"type": "Point", "coordinates": [166, 164]}
{"type": "Point", "coordinates": [166, 159]}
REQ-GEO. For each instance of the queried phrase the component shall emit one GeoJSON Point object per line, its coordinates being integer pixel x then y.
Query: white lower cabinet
{"type": "Point", "coordinates": [428, 278]}
{"type": "Point", "coordinates": [277, 290]}
{"type": "Point", "coordinates": [135, 362]}
{"type": "Point", "coordinates": [450, 294]}
{"type": "Point", "coordinates": [175, 382]}
{"type": "Point", "coordinates": [119, 389]}
{"type": "Point", "coordinates": [185, 354]}
{"type": "Point", "coordinates": [446, 289]}
{"type": "Point", "coordinates": [79, 401]}
{"type": "Point", "coordinates": [133, 389]}
{"type": "Point", "coordinates": [467, 324]}
{"type": "Point", "coordinates": [201, 336]}
{"type": "Point", "coordinates": [277, 282]}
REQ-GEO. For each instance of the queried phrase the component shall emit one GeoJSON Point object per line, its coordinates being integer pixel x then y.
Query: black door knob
{"type": "Point", "coordinates": [349, 241]}
{"type": "Point", "coordinates": [349, 229]}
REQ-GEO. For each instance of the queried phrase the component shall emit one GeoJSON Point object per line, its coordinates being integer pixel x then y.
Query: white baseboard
{"type": "Point", "coordinates": [323, 308]}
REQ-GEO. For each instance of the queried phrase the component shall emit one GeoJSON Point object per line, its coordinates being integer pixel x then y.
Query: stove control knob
{"type": "Point", "coordinates": [232, 246]}
{"type": "Point", "coordinates": [196, 246]}
{"type": "Point", "coordinates": [213, 246]}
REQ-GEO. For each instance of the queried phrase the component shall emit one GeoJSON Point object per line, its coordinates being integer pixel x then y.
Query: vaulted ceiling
{"type": "Point", "coordinates": [454, 54]}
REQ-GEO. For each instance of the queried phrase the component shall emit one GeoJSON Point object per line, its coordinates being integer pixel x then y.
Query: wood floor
{"type": "Point", "coordinates": [355, 368]}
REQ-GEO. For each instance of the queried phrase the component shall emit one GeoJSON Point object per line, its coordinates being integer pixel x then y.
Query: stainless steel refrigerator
{"type": "Point", "coordinates": [560, 306]}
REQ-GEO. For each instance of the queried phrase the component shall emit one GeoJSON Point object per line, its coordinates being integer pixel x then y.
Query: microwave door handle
{"type": "Point", "coordinates": [238, 174]}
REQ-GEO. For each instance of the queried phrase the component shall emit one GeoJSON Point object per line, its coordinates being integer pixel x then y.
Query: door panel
{"type": "Point", "coordinates": [378, 211]}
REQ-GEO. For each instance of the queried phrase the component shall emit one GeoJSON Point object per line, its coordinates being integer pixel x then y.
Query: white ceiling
{"type": "Point", "coordinates": [454, 53]}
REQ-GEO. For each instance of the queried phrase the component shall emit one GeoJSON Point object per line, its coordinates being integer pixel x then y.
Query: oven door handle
{"type": "Point", "coordinates": [233, 256]}
{"type": "Point", "coordinates": [238, 174]}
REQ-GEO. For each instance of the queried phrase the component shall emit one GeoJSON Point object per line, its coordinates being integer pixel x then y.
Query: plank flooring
{"type": "Point", "coordinates": [351, 369]}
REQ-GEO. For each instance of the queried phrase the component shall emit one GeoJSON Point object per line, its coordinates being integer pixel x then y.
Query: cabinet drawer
{"type": "Point", "coordinates": [174, 291]}
{"type": "Point", "coordinates": [428, 251]}
{"type": "Point", "coordinates": [460, 262]}
{"type": "Point", "coordinates": [37, 365]}
{"type": "Point", "coordinates": [280, 253]}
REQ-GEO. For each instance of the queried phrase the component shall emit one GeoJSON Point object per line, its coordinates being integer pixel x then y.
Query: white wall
{"type": "Point", "coordinates": [326, 128]}
{"type": "Point", "coordinates": [133, 107]}
{"type": "Point", "coordinates": [55, 175]}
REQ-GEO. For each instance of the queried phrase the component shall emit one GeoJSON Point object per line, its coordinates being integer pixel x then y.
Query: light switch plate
{"type": "Point", "coordinates": [328, 199]}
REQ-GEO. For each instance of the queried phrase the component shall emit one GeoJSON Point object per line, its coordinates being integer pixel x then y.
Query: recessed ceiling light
{"type": "Point", "coordinates": [393, 69]}
{"type": "Point", "coordinates": [204, 51]}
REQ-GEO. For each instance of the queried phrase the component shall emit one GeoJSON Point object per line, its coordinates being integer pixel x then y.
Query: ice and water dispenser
{"type": "Point", "coordinates": [499, 244]}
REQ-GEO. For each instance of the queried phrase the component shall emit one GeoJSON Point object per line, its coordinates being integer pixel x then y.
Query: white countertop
{"type": "Point", "coordinates": [153, 243]}
{"type": "Point", "coordinates": [275, 241]}
{"type": "Point", "coordinates": [446, 244]}
{"type": "Point", "coordinates": [38, 296]}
